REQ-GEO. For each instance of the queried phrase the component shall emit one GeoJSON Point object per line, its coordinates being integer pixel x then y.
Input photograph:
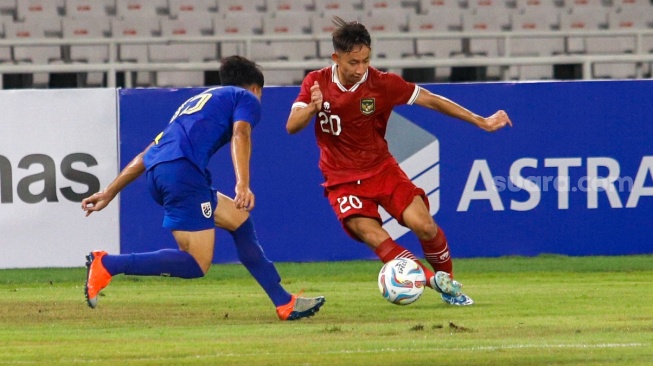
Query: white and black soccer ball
{"type": "Point", "coordinates": [402, 281]}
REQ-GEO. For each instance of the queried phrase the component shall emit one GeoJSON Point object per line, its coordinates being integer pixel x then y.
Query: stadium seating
{"type": "Point", "coordinates": [279, 24]}
{"type": "Point", "coordinates": [8, 7]}
{"type": "Point", "coordinates": [488, 20]}
{"type": "Point", "coordinates": [323, 25]}
{"type": "Point", "coordinates": [191, 8]}
{"type": "Point", "coordinates": [382, 5]}
{"type": "Point", "coordinates": [280, 6]}
{"type": "Point", "coordinates": [5, 51]}
{"type": "Point", "coordinates": [35, 9]}
{"type": "Point", "coordinates": [443, 48]}
{"type": "Point", "coordinates": [38, 54]}
{"type": "Point", "coordinates": [88, 27]}
{"type": "Point", "coordinates": [341, 6]}
{"type": "Point", "coordinates": [433, 6]}
{"type": "Point", "coordinates": [531, 21]}
{"type": "Point", "coordinates": [383, 20]}
{"type": "Point", "coordinates": [582, 19]}
{"type": "Point", "coordinates": [236, 24]}
{"type": "Point", "coordinates": [126, 28]}
{"type": "Point", "coordinates": [418, 29]}
{"type": "Point", "coordinates": [136, 8]}
{"type": "Point", "coordinates": [181, 52]}
{"type": "Point", "coordinates": [237, 6]}
{"type": "Point", "coordinates": [86, 8]}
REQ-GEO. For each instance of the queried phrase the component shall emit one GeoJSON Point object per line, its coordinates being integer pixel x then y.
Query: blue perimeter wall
{"type": "Point", "coordinates": [593, 122]}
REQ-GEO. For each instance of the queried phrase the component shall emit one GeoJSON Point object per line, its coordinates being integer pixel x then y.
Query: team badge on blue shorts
{"type": "Point", "coordinates": [206, 209]}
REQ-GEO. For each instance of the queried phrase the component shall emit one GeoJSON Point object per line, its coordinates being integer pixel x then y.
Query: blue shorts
{"type": "Point", "coordinates": [185, 193]}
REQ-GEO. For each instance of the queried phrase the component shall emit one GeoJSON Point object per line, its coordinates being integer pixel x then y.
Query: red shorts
{"type": "Point", "coordinates": [390, 189]}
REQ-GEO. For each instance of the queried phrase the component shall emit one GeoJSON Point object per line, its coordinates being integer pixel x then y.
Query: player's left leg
{"type": "Point", "coordinates": [436, 250]}
{"type": "Point", "coordinates": [434, 242]}
{"type": "Point", "coordinates": [408, 204]}
{"type": "Point", "coordinates": [241, 227]}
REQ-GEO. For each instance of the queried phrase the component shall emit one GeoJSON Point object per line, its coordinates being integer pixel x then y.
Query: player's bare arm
{"type": "Point", "coordinates": [443, 105]}
{"type": "Point", "coordinates": [241, 151]}
{"type": "Point", "coordinates": [300, 117]}
{"type": "Point", "coordinates": [101, 199]}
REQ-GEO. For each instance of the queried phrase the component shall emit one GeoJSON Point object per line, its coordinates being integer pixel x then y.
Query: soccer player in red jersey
{"type": "Point", "coordinates": [351, 102]}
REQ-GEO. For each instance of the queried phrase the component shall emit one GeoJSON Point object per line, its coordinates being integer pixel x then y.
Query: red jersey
{"type": "Point", "coordinates": [350, 128]}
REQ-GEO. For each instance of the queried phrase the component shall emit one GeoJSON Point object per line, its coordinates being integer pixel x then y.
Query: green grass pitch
{"type": "Point", "coordinates": [547, 310]}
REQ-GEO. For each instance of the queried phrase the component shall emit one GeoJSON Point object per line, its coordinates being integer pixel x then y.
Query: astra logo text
{"type": "Point", "coordinates": [597, 179]}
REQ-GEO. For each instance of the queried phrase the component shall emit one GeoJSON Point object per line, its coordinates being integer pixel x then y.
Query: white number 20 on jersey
{"type": "Point", "coordinates": [349, 202]}
{"type": "Point", "coordinates": [330, 123]}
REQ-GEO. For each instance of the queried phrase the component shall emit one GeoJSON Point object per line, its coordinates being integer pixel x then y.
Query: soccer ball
{"type": "Point", "coordinates": [401, 281]}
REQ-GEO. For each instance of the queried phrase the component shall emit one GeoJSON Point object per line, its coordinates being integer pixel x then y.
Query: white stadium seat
{"type": "Point", "coordinates": [136, 8]}
{"type": "Point", "coordinates": [344, 7]}
{"type": "Point", "coordinates": [191, 8]}
{"type": "Point", "coordinates": [30, 9]}
{"type": "Point", "coordinates": [88, 27]}
{"type": "Point", "coordinates": [490, 20]}
{"type": "Point", "coordinates": [86, 8]}
{"type": "Point", "coordinates": [236, 24]}
{"type": "Point", "coordinates": [437, 47]}
{"type": "Point", "coordinates": [33, 54]}
{"type": "Point", "coordinates": [280, 6]}
{"type": "Point", "coordinates": [5, 51]}
{"type": "Point", "coordinates": [135, 28]}
{"type": "Point", "coordinates": [181, 52]}
{"type": "Point", "coordinates": [237, 6]}
{"type": "Point", "coordinates": [533, 46]}
{"type": "Point", "coordinates": [582, 19]}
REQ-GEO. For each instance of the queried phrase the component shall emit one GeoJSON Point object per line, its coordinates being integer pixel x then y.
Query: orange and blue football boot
{"type": "Point", "coordinates": [97, 277]}
{"type": "Point", "coordinates": [300, 307]}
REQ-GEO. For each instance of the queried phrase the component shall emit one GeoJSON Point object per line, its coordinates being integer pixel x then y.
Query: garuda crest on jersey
{"type": "Point", "coordinates": [367, 106]}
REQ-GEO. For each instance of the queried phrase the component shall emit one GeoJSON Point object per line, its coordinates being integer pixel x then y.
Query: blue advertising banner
{"type": "Point", "coordinates": [573, 176]}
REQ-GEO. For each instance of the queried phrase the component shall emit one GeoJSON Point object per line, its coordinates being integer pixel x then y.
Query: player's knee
{"type": "Point", "coordinates": [425, 230]}
{"type": "Point", "coordinates": [204, 266]}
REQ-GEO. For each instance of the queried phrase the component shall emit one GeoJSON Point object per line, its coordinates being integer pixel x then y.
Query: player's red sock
{"type": "Point", "coordinates": [389, 250]}
{"type": "Point", "coordinates": [436, 252]}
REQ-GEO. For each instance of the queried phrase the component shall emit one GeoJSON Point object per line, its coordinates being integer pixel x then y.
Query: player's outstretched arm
{"type": "Point", "coordinates": [443, 105]}
{"type": "Point", "coordinates": [300, 117]}
{"type": "Point", "coordinates": [241, 151]}
{"type": "Point", "coordinates": [101, 199]}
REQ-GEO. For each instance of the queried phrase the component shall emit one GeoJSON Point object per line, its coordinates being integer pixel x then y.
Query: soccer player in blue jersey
{"type": "Point", "coordinates": [175, 164]}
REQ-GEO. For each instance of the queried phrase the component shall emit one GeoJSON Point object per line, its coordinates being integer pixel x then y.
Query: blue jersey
{"type": "Point", "coordinates": [202, 125]}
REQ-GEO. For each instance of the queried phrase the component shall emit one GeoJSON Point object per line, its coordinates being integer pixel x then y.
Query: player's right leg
{"type": "Point", "coordinates": [250, 253]}
{"type": "Point", "coordinates": [191, 262]}
{"type": "Point", "coordinates": [188, 201]}
{"type": "Point", "coordinates": [97, 277]}
{"type": "Point", "coordinates": [371, 233]}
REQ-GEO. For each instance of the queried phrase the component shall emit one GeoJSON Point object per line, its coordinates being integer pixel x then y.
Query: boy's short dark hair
{"type": "Point", "coordinates": [349, 35]}
{"type": "Point", "coordinates": [239, 71]}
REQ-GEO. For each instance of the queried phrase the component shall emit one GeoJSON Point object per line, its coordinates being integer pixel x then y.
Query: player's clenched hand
{"type": "Point", "coordinates": [96, 202]}
{"type": "Point", "coordinates": [496, 121]}
{"type": "Point", "coordinates": [316, 97]}
{"type": "Point", "coordinates": [244, 199]}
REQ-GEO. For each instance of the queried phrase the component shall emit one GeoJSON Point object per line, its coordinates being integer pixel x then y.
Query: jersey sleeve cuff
{"type": "Point", "coordinates": [299, 104]}
{"type": "Point", "coordinates": [413, 97]}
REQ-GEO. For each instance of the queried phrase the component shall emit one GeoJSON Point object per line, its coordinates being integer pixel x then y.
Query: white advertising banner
{"type": "Point", "coordinates": [56, 148]}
